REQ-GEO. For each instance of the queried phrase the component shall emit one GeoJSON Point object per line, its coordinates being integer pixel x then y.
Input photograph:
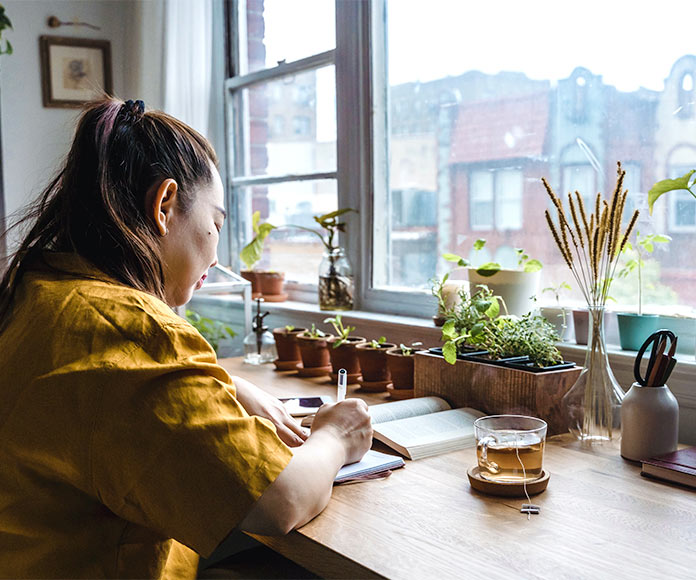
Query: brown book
{"type": "Point", "coordinates": [678, 466]}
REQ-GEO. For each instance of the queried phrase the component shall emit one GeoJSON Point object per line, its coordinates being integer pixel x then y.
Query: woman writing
{"type": "Point", "coordinates": [125, 449]}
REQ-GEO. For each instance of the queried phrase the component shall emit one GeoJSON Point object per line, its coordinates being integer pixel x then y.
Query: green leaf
{"type": "Point", "coordinates": [666, 185]}
{"type": "Point", "coordinates": [451, 257]}
{"type": "Point", "coordinates": [494, 309]}
{"type": "Point", "coordinates": [479, 244]}
{"type": "Point", "coordinates": [251, 253]}
{"type": "Point", "coordinates": [449, 351]}
{"type": "Point", "coordinates": [533, 266]}
{"type": "Point", "coordinates": [488, 269]}
{"type": "Point", "coordinates": [661, 239]}
{"type": "Point", "coordinates": [323, 219]}
{"type": "Point", "coordinates": [449, 331]}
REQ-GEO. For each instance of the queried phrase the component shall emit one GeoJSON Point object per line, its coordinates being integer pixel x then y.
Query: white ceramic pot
{"type": "Point", "coordinates": [649, 422]}
{"type": "Point", "coordinates": [516, 287]}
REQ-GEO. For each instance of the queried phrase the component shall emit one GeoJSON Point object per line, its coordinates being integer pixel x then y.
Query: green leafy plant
{"type": "Point", "coordinates": [529, 335]}
{"type": "Point", "coordinates": [314, 332]}
{"type": "Point", "coordinates": [251, 253]}
{"type": "Point", "coordinates": [5, 23]}
{"type": "Point", "coordinates": [644, 245]}
{"type": "Point", "coordinates": [684, 183]}
{"type": "Point", "coordinates": [409, 350]}
{"type": "Point", "coordinates": [436, 288]}
{"type": "Point", "coordinates": [465, 324]}
{"type": "Point", "coordinates": [289, 328]}
{"type": "Point", "coordinates": [212, 330]}
{"type": "Point", "coordinates": [524, 262]}
{"type": "Point", "coordinates": [341, 331]}
{"type": "Point", "coordinates": [377, 343]}
{"type": "Point", "coordinates": [556, 291]}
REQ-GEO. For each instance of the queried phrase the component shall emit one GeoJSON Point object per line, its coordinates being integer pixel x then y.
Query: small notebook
{"type": "Point", "coordinates": [373, 465]}
{"type": "Point", "coordinates": [678, 466]}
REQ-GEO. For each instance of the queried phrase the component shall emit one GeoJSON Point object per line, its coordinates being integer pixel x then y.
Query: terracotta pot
{"type": "Point", "coordinates": [373, 362]}
{"type": "Point", "coordinates": [286, 343]}
{"type": "Point", "coordinates": [315, 356]}
{"type": "Point", "coordinates": [345, 357]}
{"type": "Point", "coordinates": [251, 276]}
{"type": "Point", "coordinates": [400, 368]}
{"type": "Point", "coordinates": [271, 286]}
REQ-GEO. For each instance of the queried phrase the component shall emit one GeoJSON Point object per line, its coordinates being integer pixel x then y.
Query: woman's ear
{"type": "Point", "coordinates": [162, 204]}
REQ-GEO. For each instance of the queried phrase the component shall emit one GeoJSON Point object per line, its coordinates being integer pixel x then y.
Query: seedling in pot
{"type": "Point", "coordinates": [409, 350]}
{"type": "Point", "coordinates": [377, 343]}
{"type": "Point", "coordinates": [341, 331]}
{"type": "Point", "coordinates": [314, 332]}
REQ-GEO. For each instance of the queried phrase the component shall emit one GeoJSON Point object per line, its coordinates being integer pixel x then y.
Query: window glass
{"type": "Point", "coordinates": [290, 249]}
{"type": "Point", "coordinates": [287, 30]}
{"type": "Point", "coordinates": [290, 134]}
{"type": "Point", "coordinates": [475, 120]}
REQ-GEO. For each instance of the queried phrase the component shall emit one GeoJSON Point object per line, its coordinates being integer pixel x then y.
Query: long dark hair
{"type": "Point", "coordinates": [95, 206]}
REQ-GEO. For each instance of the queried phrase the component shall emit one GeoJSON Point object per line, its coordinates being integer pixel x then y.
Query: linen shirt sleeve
{"type": "Point", "coordinates": [173, 449]}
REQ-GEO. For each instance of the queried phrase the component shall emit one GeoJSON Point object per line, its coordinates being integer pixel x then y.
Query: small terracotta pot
{"type": "Point", "coordinates": [251, 276]}
{"type": "Point", "coordinates": [400, 368]}
{"type": "Point", "coordinates": [345, 357]}
{"type": "Point", "coordinates": [315, 356]}
{"type": "Point", "coordinates": [373, 365]}
{"type": "Point", "coordinates": [271, 283]}
{"type": "Point", "coordinates": [286, 345]}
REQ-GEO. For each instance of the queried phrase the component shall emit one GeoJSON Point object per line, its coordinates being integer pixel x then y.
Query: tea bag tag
{"type": "Point", "coordinates": [530, 508]}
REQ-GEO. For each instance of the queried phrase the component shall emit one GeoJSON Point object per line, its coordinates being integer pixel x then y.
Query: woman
{"type": "Point", "coordinates": [125, 449]}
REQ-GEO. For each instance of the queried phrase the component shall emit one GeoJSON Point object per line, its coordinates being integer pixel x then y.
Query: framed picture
{"type": "Point", "coordinates": [74, 70]}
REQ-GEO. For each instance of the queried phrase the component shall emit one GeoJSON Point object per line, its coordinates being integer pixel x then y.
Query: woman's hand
{"type": "Point", "coordinates": [258, 402]}
{"type": "Point", "coordinates": [349, 422]}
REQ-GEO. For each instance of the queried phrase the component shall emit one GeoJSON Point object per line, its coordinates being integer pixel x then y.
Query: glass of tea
{"type": "Point", "coordinates": [510, 448]}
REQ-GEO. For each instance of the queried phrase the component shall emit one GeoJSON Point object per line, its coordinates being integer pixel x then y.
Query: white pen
{"type": "Point", "coordinates": [342, 384]}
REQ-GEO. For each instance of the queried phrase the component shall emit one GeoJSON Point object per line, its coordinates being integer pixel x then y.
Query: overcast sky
{"type": "Point", "coordinates": [631, 43]}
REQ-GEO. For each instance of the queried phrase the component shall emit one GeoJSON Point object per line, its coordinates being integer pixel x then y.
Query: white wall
{"type": "Point", "coordinates": [34, 138]}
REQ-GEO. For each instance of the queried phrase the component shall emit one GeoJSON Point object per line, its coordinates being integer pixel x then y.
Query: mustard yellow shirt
{"type": "Point", "coordinates": [122, 445]}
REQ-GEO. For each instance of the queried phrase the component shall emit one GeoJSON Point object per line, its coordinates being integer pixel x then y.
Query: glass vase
{"type": "Point", "coordinates": [593, 404]}
{"type": "Point", "coordinates": [335, 281]}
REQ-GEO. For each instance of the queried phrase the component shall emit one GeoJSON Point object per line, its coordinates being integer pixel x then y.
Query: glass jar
{"type": "Point", "coordinates": [593, 404]}
{"type": "Point", "coordinates": [336, 284]}
{"type": "Point", "coordinates": [259, 347]}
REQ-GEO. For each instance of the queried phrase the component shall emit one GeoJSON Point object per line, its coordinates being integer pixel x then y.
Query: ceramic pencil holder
{"type": "Point", "coordinates": [649, 422]}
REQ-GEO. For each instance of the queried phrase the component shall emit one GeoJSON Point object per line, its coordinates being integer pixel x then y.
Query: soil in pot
{"type": "Point", "coordinates": [373, 364]}
{"type": "Point", "coordinates": [315, 356]}
{"type": "Point", "coordinates": [344, 356]}
{"type": "Point", "coordinates": [287, 348]}
{"type": "Point", "coordinates": [251, 276]}
{"type": "Point", "coordinates": [271, 286]}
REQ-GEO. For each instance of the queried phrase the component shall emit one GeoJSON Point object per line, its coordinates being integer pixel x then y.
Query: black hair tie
{"type": "Point", "coordinates": [133, 110]}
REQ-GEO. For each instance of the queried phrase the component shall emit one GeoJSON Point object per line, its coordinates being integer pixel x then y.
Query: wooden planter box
{"type": "Point", "coordinates": [495, 389]}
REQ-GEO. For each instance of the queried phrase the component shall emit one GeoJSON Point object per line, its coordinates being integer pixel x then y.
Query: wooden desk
{"type": "Point", "coordinates": [599, 519]}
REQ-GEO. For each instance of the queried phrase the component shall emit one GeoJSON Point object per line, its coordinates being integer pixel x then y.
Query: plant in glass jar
{"type": "Point", "coordinates": [590, 244]}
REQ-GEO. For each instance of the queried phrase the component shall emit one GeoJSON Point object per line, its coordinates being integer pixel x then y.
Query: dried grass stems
{"type": "Point", "coordinates": [591, 246]}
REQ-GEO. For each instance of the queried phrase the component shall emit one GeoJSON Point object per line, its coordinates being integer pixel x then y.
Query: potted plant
{"type": "Point", "coordinates": [268, 284]}
{"type": "Point", "coordinates": [635, 327]}
{"type": "Point", "coordinates": [400, 361]}
{"type": "Point", "coordinates": [314, 350]}
{"type": "Point", "coordinates": [213, 331]}
{"type": "Point", "coordinates": [516, 287]}
{"type": "Point", "coordinates": [373, 364]}
{"type": "Point", "coordinates": [559, 316]}
{"type": "Point", "coordinates": [342, 352]}
{"type": "Point", "coordinates": [448, 294]}
{"type": "Point", "coordinates": [288, 351]}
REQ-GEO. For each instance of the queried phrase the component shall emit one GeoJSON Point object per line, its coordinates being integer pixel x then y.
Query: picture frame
{"type": "Point", "coordinates": [74, 70]}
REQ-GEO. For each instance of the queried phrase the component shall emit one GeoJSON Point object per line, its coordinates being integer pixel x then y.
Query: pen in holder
{"type": "Point", "coordinates": [649, 411]}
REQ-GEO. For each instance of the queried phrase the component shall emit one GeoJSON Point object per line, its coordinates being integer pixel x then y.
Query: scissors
{"type": "Point", "coordinates": [659, 362]}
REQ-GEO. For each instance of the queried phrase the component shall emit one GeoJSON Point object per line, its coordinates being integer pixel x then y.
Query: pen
{"type": "Point", "coordinates": [342, 382]}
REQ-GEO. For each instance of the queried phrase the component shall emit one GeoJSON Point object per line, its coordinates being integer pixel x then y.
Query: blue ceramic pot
{"type": "Point", "coordinates": [634, 329]}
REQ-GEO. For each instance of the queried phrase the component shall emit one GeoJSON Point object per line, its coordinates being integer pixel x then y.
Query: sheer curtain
{"type": "Point", "coordinates": [173, 51]}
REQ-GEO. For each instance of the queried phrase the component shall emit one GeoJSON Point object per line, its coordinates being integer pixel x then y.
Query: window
{"type": "Point", "coordinates": [281, 106]}
{"type": "Point", "coordinates": [444, 140]}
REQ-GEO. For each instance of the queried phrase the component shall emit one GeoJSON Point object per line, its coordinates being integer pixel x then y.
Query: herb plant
{"type": "Point", "coordinates": [377, 343]}
{"type": "Point", "coordinates": [409, 350]}
{"type": "Point", "coordinates": [341, 331]}
{"type": "Point", "coordinates": [212, 330]}
{"type": "Point", "coordinates": [530, 335]}
{"type": "Point", "coordinates": [524, 262]}
{"type": "Point", "coordinates": [686, 182]}
{"type": "Point", "coordinates": [314, 332]}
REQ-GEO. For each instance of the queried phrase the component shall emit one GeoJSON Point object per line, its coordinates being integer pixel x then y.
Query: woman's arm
{"type": "Point", "coordinates": [341, 434]}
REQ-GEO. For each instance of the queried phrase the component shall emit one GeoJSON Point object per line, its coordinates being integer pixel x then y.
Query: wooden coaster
{"type": "Point", "coordinates": [506, 489]}
{"type": "Point", "coordinates": [286, 365]}
{"type": "Point", "coordinates": [313, 371]}
{"type": "Point", "coordinates": [399, 394]}
{"type": "Point", "coordinates": [352, 378]}
{"type": "Point", "coordinates": [374, 387]}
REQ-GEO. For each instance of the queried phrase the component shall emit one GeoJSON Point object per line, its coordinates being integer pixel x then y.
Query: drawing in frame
{"type": "Point", "coordinates": [74, 70]}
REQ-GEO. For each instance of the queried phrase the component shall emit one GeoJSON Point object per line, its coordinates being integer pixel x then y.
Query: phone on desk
{"type": "Point", "coordinates": [303, 406]}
